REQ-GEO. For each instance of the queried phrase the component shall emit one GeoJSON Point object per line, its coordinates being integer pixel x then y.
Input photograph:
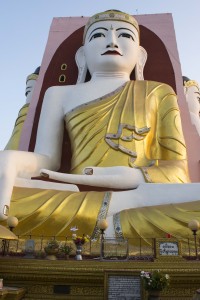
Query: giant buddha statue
{"type": "Point", "coordinates": [13, 143]}
{"type": "Point", "coordinates": [127, 147]}
{"type": "Point", "coordinates": [192, 92]}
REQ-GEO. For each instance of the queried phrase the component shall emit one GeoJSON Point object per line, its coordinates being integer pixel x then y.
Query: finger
{"type": "Point", "coordinates": [69, 178]}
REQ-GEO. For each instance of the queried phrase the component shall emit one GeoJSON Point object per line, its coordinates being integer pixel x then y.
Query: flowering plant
{"type": "Point", "coordinates": [80, 240]}
{"type": "Point", "coordinates": [156, 280]}
{"type": "Point", "coordinates": [51, 247]}
{"type": "Point", "coordinates": [52, 244]}
{"type": "Point", "coordinates": [66, 249]}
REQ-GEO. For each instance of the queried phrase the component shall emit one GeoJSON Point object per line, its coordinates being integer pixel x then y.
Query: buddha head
{"type": "Point", "coordinates": [111, 43]}
{"type": "Point", "coordinates": [30, 84]}
{"type": "Point", "coordinates": [192, 93]}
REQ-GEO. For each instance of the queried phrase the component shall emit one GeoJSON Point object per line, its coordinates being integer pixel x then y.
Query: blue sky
{"type": "Point", "coordinates": [24, 28]}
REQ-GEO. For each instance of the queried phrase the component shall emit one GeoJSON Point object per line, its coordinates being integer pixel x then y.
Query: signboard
{"type": "Point", "coordinates": [122, 286]}
{"type": "Point", "coordinates": [168, 248]}
{"type": "Point", "coordinates": [115, 249]}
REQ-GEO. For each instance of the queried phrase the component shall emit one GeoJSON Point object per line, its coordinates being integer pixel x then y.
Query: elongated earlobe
{"type": "Point", "coordinates": [81, 64]}
{"type": "Point", "coordinates": [139, 68]}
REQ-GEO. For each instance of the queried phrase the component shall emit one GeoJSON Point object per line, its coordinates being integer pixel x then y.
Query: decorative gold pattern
{"type": "Point", "coordinates": [117, 226]}
{"type": "Point", "coordinates": [32, 77]}
{"type": "Point", "coordinates": [191, 83]}
{"type": "Point", "coordinates": [102, 213]}
{"type": "Point", "coordinates": [40, 289]}
{"type": "Point", "coordinates": [90, 291]}
{"type": "Point", "coordinates": [86, 278]}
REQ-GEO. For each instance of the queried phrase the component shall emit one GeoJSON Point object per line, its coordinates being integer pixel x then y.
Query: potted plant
{"type": "Point", "coordinates": [66, 249]}
{"type": "Point", "coordinates": [154, 282]}
{"type": "Point", "coordinates": [79, 241]}
{"type": "Point", "coordinates": [39, 254]}
{"type": "Point", "coordinates": [51, 249]}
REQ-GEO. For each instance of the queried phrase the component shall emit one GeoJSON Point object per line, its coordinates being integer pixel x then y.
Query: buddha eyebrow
{"type": "Point", "coordinates": [125, 29]}
{"type": "Point", "coordinates": [97, 29]}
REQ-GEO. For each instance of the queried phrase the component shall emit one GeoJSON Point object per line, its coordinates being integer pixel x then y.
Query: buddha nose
{"type": "Point", "coordinates": [112, 43]}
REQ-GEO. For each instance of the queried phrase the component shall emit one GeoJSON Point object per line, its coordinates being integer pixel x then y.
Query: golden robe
{"type": "Point", "coordinates": [138, 125]}
{"type": "Point", "coordinates": [13, 143]}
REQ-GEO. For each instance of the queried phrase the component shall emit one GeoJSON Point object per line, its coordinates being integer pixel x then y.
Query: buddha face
{"type": "Point", "coordinates": [193, 99]}
{"type": "Point", "coordinates": [29, 90]}
{"type": "Point", "coordinates": [111, 46]}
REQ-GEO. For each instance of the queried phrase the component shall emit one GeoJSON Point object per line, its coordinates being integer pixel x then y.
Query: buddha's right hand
{"type": "Point", "coordinates": [15, 164]}
{"type": "Point", "coordinates": [7, 178]}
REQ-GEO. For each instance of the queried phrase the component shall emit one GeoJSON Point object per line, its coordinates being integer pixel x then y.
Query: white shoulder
{"type": "Point", "coordinates": [55, 98]}
{"type": "Point", "coordinates": [58, 91]}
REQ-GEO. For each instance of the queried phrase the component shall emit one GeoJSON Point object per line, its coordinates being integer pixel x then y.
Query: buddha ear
{"type": "Point", "coordinates": [81, 64]}
{"type": "Point", "coordinates": [140, 64]}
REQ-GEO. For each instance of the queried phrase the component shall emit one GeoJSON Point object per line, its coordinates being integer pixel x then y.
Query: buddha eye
{"type": "Point", "coordinates": [126, 35]}
{"type": "Point", "coordinates": [97, 35]}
